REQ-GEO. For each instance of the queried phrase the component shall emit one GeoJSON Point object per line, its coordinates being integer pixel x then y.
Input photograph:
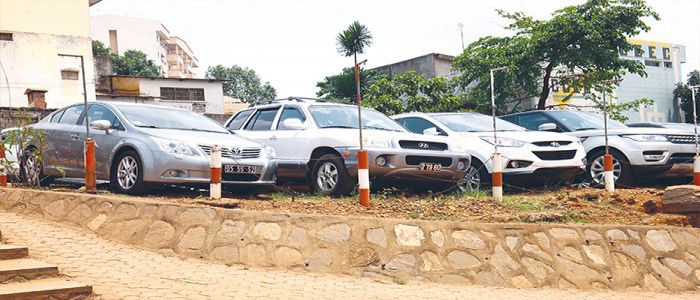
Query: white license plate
{"type": "Point", "coordinates": [236, 169]}
{"type": "Point", "coordinates": [430, 167]}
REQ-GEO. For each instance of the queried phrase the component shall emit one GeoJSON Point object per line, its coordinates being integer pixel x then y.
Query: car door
{"type": "Point", "coordinates": [259, 125]}
{"type": "Point", "coordinates": [286, 141]}
{"type": "Point", "coordinates": [66, 144]}
{"type": "Point", "coordinates": [105, 141]}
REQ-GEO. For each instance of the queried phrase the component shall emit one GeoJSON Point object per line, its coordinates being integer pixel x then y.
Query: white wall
{"type": "Point", "coordinates": [213, 92]}
{"type": "Point", "coordinates": [132, 33]}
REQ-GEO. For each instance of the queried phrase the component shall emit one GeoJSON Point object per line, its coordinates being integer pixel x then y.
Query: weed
{"type": "Point", "coordinates": [398, 281]}
{"type": "Point", "coordinates": [574, 218]}
{"type": "Point", "coordinates": [522, 204]}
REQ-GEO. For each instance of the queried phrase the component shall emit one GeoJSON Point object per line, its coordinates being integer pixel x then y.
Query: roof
{"type": "Point", "coordinates": [167, 78]}
{"type": "Point", "coordinates": [93, 2]}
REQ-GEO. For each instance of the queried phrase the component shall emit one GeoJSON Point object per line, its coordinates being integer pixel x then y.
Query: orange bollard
{"type": "Point", "coordinates": [90, 180]}
{"type": "Point", "coordinates": [497, 177]}
{"type": "Point", "coordinates": [3, 173]}
{"type": "Point", "coordinates": [696, 171]}
{"type": "Point", "coordinates": [215, 173]}
{"type": "Point", "coordinates": [363, 176]}
{"type": "Point", "coordinates": [608, 174]}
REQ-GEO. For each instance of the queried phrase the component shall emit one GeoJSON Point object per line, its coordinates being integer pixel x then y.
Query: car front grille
{"type": "Point", "coordinates": [551, 143]}
{"type": "Point", "coordinates": [414, 160]}
{"type": "Point", "coordinates": [419, 145]}
{"type": "Point", "coordinates": [234, 153]}
{"type": "Point", "coordinates": [681, 139]}
{"type": "Point", "coordinates": [555, 155]}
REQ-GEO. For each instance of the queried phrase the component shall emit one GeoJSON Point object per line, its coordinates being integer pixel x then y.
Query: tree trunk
{"type": "Point", "coordinates": [545, 87]}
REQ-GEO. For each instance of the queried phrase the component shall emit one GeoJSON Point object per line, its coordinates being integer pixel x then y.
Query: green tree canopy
{"type": "Point", "coordinates": [412, 92]}
{"type": "Point", "coordinates": [343, 87]}
{"type": "Point", "coordinates": [242, 83]}
{"type": "Point", "coordinates": [683, 92]}
{"type": "Point", "coordinates": [354, 39]}
{"type": "Point", "coordinates": [99, 49]}
{"type": "Point", "coordinates": [134, 63]}
{"type": "Point", "coordinates": [579, 44]}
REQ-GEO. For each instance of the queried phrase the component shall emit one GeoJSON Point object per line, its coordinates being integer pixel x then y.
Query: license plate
{"type": "Point", "coordinates": [430, 167]}
{"type": "Point", "coordinates": [237, 169]}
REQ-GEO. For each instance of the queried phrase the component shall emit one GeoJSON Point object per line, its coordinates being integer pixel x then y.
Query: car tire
{"type": "Point", "coordinates": [477, 177]}
{"type": "Point", "coordinates": [31, 171]}
{"type": "Point", "coordinates": [330, 177]}
{"type": "Point", "coordinates": [621, 169]}
{"type": "Point", "coordinates": [126, 174]}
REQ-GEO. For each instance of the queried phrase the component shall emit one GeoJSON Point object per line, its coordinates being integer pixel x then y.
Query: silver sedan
{"type": "Point", "coordinates": [140, 144]}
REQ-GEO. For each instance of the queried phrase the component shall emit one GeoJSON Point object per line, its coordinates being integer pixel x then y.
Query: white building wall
{"type": "Point", "coordinates": [213, 93]}
{"type": "Point", "coordinates": [132, 33]}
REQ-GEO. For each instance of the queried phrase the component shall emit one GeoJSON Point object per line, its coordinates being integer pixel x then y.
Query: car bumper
{"type": "Point", "coordinates": [662, 159]}
{"type": "Point", "coordinates": [530, 164]}
{"type": "Point", "coordinates": [402, 164]}
{"type": "Point", "coordinates": [196, 170]}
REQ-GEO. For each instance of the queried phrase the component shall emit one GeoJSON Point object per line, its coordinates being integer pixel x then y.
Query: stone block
{"type": "Point", "coordinates": [320, 259]}
{"type": "Point", "coordinates": [377, 236]}
{"type": "Point", "coordinates": [437, 238]}
{"type": "Point", "coordinates": [287, 257]}
{"type": "Point", "coordinates": [361, 257]}
{"type": "Point", "coordinates": [336, 233]}
{"type": "Point", "coordinates": [256, 255]}
{"type": "Point", "coordinates": [230, 231]}
{"type": "Point", "coordinates": [193, 239]}
{"type": "Point", "coordinates": [595, 253]}
{"type": "Point", "coordinates": [297, 235]}
{"type": "Point", "coordinates": [660, 240]}
{"type": "Point", "coordinates": [592, 235]}
{"type": "Point", "coordinates": [267, 230]}
{"type": "Point", "coordinates": [534, 249]}
{"type": "Point", "coordinates": [468, 239]}
{"type": "Point", "coordinates": [624, 269]}
{"type": "Point", "coordinates": [228, 254]}
{"type": "Point", "coordinates": [197, 215]}
{"type": "Point", "coordinates": [572, 254]}
{"type": "Point", "coordinates": [431, 262]}
{"type": "Point", "coordinates": [521, 281]}
{"type": "Point", "coordinates": [502, 261]}
{"type": "Point", "coordinates": [461, 260]}
{"type": "Point", "coordinates": [542, 239]}
{"type": "Point", "coordinates": [408, 235]}
{"type": "Point", "coordinates": [401, 263]}
{"type": "Point", "coordinates": [536, 268]}
{"type": "Point", "coordinates": [125, 211]}
{"type": "Point", "coordinates": [616, 235]}
{"type": "Point", "coordinates": [56, 209]}
{"type": "Point", "coordinates": [159, 234]}
{"type": "Point", "coordinates": [80, 213]}
{"type": "Point", "coordinates": [563, 234]}
{"type": "Point", "coordinates": [97, 222]}
{"type": "Point", "coordinates": [683, 199]}
{"type": "Point", "coordinates": [126, 231]}
{"type": "Point", "coordinates": [512, 241]}
{"type": "Point", "coordinates": [634, 251]}
{"type": "Point", "coordinates": [678, 265]}
{"type": "Point", "coordinates": [490, 278]}
{"type": "Point", "coordinates": [669, 278]}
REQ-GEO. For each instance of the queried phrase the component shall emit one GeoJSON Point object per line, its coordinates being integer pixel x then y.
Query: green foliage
{"type": "Point", "coordinates": [134, 63]}
{"type": "Point", "coordinates": [242, 83]}
{"type": "Point", "coordinates": [354, 39]}
{"type": "Point", "coordinates": [18, 142]}
{"type": "Point", "coordinates": [412, 92]}
{"type": "Point", "coordinates": [343, 86]}
{"type": "Point", "coordinates": [99, 49]}
{"type": "Point", "coordinates": [683, 92]}
{"type": "Point", "coordinates": [579, 44]}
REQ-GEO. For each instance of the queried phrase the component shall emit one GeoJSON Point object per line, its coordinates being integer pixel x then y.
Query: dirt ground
{"type": "Point", "coordinates": [638, 206]}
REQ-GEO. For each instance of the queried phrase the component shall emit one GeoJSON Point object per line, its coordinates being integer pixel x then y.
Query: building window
{"type": "Point", "coordinates": [168, 93]}
{"type": "Point", "coordinates": [652, 51]}
{"type": "Point", "coordinates": [6, 36]}
{"type": "Point", "coordinates": [638, 52]}
{"type": "Point", "coordinates": [652, 63]}
{"type": "Point", "coordinates": [668, 65]}
{"type": "Point", "coordinates": [69, 75]}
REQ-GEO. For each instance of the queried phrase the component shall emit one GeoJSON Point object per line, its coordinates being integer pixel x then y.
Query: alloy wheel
{"type": "Point", "coordinates": [31, 170]}
{"type": "Point", "coordinates": [597, 170]}
{"type": "Point", "coordinates": [471, 181]}
{"type": "Point", "coordinates": [327, 176]}
{"type": "Point", "coordinates": [127, 172]}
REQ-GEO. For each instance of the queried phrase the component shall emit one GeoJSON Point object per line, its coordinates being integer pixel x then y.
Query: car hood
{"type": "Point", "coordinates": [352, 135]}
{"type": "Point", "coordinates": [201, 138]}
{"type": "Point", "coordinates": [628, 131]}
{"type": "Point", "coordinates": [525, 136]}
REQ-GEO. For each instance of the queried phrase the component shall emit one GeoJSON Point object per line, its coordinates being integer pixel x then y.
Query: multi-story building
{"type": "Point", "coordinates": [429, 65]}
{"type": "Point", "coordinates": [41, 45]}
{"type": "Point", "coordinates": [171, 53]}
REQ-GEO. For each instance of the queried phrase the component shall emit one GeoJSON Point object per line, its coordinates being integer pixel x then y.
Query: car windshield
{"type": "Point", "coordinates": [337, 116]}
{"type": "Point", "coordinates": [577, 120]}
{"type": "Point", "coordinates": [167, 118]}
{"type": "Point", "coordinates": [473, 122]}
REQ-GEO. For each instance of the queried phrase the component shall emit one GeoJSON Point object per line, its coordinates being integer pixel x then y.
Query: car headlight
{"type": "Point", "coordinates": [374, 141]}
{"type": "Point", "coordinates": [173, 147]}
{"type": "Point", "coordinates": [503, 142]}
{"type": "Point", "coordinates": [460, 147]}
{"type": "Point", "coordinates": [269, 152]}
{"type": "Point", "coordinates": [646, 137]}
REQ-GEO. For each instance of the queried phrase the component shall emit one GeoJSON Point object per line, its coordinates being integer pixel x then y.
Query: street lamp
{"type": "Point", "coordinates": [696, 162]}
{"type": "Point", "coordinates": [497, 174]}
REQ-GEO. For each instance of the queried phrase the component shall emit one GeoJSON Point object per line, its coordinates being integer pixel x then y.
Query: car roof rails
{"type": "Point", "coordinates": [296, 99]}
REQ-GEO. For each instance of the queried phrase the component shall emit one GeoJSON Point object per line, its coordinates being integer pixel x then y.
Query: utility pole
{"type": "Point", "coordinates": [362, 157]}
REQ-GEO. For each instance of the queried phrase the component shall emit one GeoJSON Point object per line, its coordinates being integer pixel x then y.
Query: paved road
{"type": "Point", "coordinates": [119, 271]}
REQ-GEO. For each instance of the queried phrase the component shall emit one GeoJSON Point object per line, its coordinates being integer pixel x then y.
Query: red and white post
{"type": "Point", "coordinates": [497, 177]}
{"type": "Point", "coordinates": [215, 173]}
{"type": "Point", "coordinates": [363, 176]}
{"type": "Point", "coordinates": [696, 162]}
{"type": "Point", "coordinates": [608, 174]}
{"type": "Point", "coordinates": [3, 173]}
{"type": "Point", "coordinates": [696, 171]}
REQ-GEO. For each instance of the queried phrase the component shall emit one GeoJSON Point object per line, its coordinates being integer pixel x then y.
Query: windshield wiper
{"type": "Point", "coordinates": [147, 126]}
{"type": "Point", "coordinates": [380, 128]}
{"type": "Point", "coordinates": [204, 130]}
{"type": "Point", "coordinates": [586, 128]}
{"type": "Point", "coordinates": [339, 126]}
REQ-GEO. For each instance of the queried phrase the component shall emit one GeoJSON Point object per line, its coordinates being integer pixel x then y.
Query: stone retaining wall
{"type": "Point", "coordinates": [516, 255]}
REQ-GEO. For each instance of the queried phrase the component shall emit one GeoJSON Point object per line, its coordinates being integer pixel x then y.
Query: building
{"type": "Point", "coordinates": [41, 45]}
{"type": "Point", "coordinates": [429, 65]}
{"type": "Point", "coordinates": [663, 68]}
{"type": "Point", "coordinates": [200, 95]}
{"type": "Point", "coordinates": [171, 53]}
{"type": "Point", "coordinates": [233, 105]}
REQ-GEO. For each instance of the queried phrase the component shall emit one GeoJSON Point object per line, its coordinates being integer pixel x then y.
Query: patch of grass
{"type": "Point", "coordinates": [414, 215]}
{"type": "Point", "coordinates": [476, 194]}
{"type": "Point", "coordinates": [398, 281]}
{"type": "Point", "coordinates": [522, 204]}
{"type": "Point", "coordinates": [574, 218]}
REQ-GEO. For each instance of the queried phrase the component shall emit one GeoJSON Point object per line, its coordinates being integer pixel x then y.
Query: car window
{"type": "Point", "coordinates": [262, 120]}
{"type": "Point", "coordinates": [418, 125]}
{"type": "Point", "coordinates": [289, 113]}
{"type": "Point", "coordinates": [533, 121]}
{"type": "Point", "coordinates": [238, 120]}
{"type": "Point", "coordinates": [56, 116]}
{"type": "Point", "coordinates": [101, 112]}
{"type": "Point", "coordinates": [71, 115]}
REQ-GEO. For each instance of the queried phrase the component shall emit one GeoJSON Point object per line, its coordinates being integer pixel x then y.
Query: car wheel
{"type": "Point", "coordinates": [622, 171]}
{"type": "Point", "coordinates": [475, 178]}
{"type": "Point", "coordinates": [31, 171]}
{"type": "Point", "coordinates": [329, 176]}
{"type": "Point", "coordinates": [127, 174]}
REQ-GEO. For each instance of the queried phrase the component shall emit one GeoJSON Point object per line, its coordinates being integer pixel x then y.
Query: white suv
{"type": "Point", "coordinates": [317, 142]}
{"type": "Point", "coordinates": [526, 156]}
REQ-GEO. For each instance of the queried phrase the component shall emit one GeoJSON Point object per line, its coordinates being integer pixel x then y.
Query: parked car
{"type": "Point", "coordinates": [140, 144]}
{"type": "Point", "coordinates": [637, 152]}
{"type": "Point", "coordinates": [317, 142]}
{"type": "Point", "coordinates": [527, 156]}
{"type": "Point", "coordinates": [679, 126]}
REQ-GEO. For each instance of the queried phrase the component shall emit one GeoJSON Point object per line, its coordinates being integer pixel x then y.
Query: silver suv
{"type": "Point", "coordinates": [317, 142]}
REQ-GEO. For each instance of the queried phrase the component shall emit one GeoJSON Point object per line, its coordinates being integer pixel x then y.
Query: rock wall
{"type": "Point", "coordinates": [515, 255]}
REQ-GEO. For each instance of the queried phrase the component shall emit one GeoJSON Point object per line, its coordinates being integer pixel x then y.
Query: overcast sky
{"type": "Point", "coordinates": [291, 44]}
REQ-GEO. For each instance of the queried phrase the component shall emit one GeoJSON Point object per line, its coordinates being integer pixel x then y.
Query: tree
{"type": "Point", "coordinates": [353, 40]}
{"type": "Point", "coordinates": [683, 92]}
{"type": "Point", "coordinates": [99, 49]}
{"type": "Point", "coordinates": [579, 45]}
{"type": "Point", "coordinates": [134, 63]}
{"type": "Point", "coordinates": [343, 86]}
{"type": "Point", "coordinates": [412, 92]}
{"type": "Point", "coordinates": [242, 83]}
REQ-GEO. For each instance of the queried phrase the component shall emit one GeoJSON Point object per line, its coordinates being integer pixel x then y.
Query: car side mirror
{"type": "Point", "coordinates": [431, 131]}
{"type": "Point", "coordinates": [101, 125]}
{"type": "Point", "coordinates": [548, 127]}
{"type": "Point", "coordinates": [293, 123]}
